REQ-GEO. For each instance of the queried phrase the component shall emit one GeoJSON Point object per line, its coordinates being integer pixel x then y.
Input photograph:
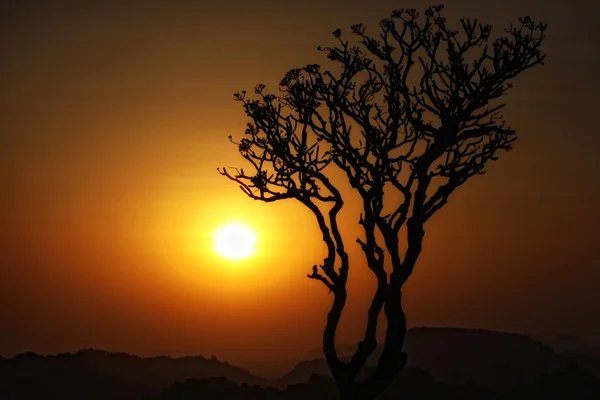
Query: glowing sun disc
{"type": "Point", "coordinates": [235, 241]}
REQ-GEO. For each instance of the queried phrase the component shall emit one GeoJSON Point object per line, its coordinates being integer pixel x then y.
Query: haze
{"type": "Point", "coordinates": [115, 116]}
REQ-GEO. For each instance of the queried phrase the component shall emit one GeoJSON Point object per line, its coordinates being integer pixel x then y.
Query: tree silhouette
{"type": "Point", "coordinates": [414, 111]}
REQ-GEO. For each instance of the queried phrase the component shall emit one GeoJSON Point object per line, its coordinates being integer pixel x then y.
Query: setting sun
{"type": "Point", "coordinates": [235, 241]}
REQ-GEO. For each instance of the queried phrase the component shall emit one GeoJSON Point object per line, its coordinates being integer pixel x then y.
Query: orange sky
{"type": "Point", "coordinates": [116, 116]}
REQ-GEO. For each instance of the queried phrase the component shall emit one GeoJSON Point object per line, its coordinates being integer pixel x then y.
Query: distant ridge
{"type": "Point", "coordinates": [442, 362]}
{"type": "Point", "coordinates": [98, 374]}
{"type": "Point", "coordinates": [496, 360]}
{"type": "Point", "coordinates": [411, 384]}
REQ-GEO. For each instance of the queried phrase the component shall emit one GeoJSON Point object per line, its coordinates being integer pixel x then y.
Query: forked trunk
{"type": "Point", "coordinates": [391, 361]}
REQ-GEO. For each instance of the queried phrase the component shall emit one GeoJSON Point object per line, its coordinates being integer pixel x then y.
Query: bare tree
{"type": "Point", "coordinates": [415, 110]}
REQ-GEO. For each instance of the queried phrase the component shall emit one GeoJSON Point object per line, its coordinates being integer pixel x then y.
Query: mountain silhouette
{"type": "Point", "coordinates": [564, 343]}
{"type": "Point", "coordinates": [444, 363]}
{"type": "Point", "coordinates": [162, 371]}
{"type": "Point", "coordinates": [584, 361]}
{"type": "Point", "coordinates": [411, 384]}
{"type": "Point", "coordinates": [65, 377]}
{"type": "Point", "coordinates": [496, 360]}
{"type": "Point", "coordinates": [98, 374]}
{"type": "Point", "coordinates": [573, 383]}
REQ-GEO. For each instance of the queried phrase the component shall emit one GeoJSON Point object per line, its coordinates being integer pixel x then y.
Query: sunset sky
{"type": "Point", "coordinates": [115, 117]}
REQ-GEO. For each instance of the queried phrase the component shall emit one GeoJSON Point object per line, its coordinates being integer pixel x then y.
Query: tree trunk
{"type": "Point", "coordinates": [349, 390]}
{"type": "Point", "coordinates": [391, 361]}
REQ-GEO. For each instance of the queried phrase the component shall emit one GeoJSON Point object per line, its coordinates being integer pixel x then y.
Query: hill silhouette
{"type": "Point", "coordinates": [162, 370]}
{"type": "Point", "coordinates": [564, 343]}
{"type": "Point", "coordinates": [64, 376]}
{"type": "Point", "coordinates": [495, 360]}
{"type": "Point", "coordinates": [98, 374]}
{"type": "Point", "coordinates": [444, 363]}
{"type": "Point", "coordinates": [412, 384]}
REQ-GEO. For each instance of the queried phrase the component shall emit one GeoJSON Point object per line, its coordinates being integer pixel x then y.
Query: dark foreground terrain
{"type": "Point", "coordinates": [413, 383]}
{"type": "Point", "coordinates": [444, 363]}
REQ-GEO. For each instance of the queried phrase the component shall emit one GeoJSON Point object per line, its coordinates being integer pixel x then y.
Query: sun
{"type": "Point", "coordinates": [235, 241]}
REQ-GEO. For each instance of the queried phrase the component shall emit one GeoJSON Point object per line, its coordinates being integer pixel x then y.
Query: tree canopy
{"type": "Point", "coordinates": [416, 109]}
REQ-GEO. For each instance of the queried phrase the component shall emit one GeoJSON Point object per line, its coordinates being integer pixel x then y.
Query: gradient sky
{"type": "Point", "coordinates": [115, 116]}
